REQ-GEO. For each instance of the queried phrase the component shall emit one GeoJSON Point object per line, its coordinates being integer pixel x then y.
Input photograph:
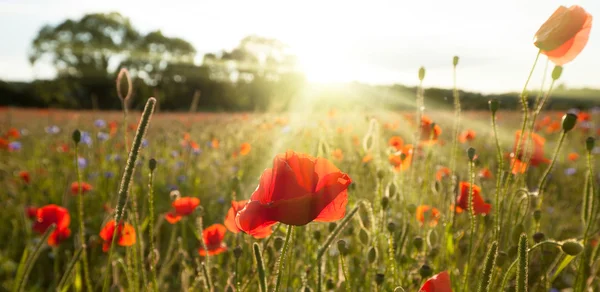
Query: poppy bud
{"type": "Point", "coordinates": [433, 252]}
{"type": "Point", "coordinates": [571, 247]}
{"type": "Point", "coordinates": [411, 208]}
{"type": "Point", "coordinates": [152, 164]}
{"type": "Point", "coordinates": [471, 153]}
{"type": "Point", "coordinates": [342, 247]}
{"type": "Point", "coordinates": [537, 215]}
{"type": "Point", "coordinates": [237, 252]}
{"type": "Point", "coordinates": [372, 255]}
{"type": "Point", "coordinates": [501, 258]}
{"type": "Point", "coordinates": [516, 234]}
{"type": "Point", "coordinates": [568, 122]}
{"type": "Point", "coordinates": [589, 143]}
{"type": "Point", "coordinates": [317, 235]}
{"type": "Point", "coordinates": [76, 136]}
{"type": "Point", "coordinates": [425, 271]}
{"type": "Point", "coordinates": [329, 284]}
{"type": "Point", "coordinates": [363, 236]}
{"type": "Point", "coordinates": [493, 103]}
{"type": "Point", "coordinates": [391, 227]}
{"type": "Point", "coordinates": [385, 202]}
{"type": "Point", "coordinates": [391, 190]}
{"type": "Point", "coordinates": [421, 73]}
{"type": "Point", "coordinates": [380, 174]}
{"type": "Point", "coordinates": [538, 237]}
{"type": "Point", "coordinates": [556, 72]}
{"type": "Point", "coordinates": [331, 227]}
{"type": "Point", "coordinates": [278, 243]}
{"type": "Point", "coordinates": [379, 278]}
{"type": "Point", "coordinates": [418, 242]}
{"type": "Point", "coordinates": [402, 156]}
{"type": "Point", "coordinates": [455, 61]}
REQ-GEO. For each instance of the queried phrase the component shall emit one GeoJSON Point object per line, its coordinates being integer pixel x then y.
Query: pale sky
{"type": "Point", "coordinates": [375, 41]}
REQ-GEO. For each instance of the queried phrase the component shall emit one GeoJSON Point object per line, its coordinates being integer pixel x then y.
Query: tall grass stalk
{"type": "Point", "coordinates": [80, 209]}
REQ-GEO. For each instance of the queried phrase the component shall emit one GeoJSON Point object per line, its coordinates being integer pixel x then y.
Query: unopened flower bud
{"type": "Point", "coordinates": [425, 271]}
{"type": "Point", "coordinates": [537, 215]}
{"type": "Point", "coordinates": [571, 247]}
{"type": "Point", "coordinates": [76, 136]}
{"type": "Point", "coordinates": [342, 247]}
{"type": "Point", "coordinates": [278, 243]}
{"type": "Point", "coordinates": [331, 227]}
{"type": "Point", "coordinates": [538, 237]}
{"type": "Point", "coordinates": [329, 284]}
{"type": "Point", "coordinates": [152, 164]}
{"type": "Point", "coordinates": [379, 278]}
{"type": "Point", "coordinates": [471, 153]}
{"type": "Point", "coordinates": [421, 73]}
{"type": "Point", "coordinates": [372, 255]}
{"type": "Point", "coordinates": [385, 202]}
{"type": "Point", "coordinates": [317, 235]}
{"type": "Point", "coordinates": [363, 236]}
{"type": "Point", "coordinates": [455, 61]}
{"type": "Point", "coordinates": [589, 143]}
{"type": "Point", "coordinates": [418, 242]}
{"type": "Point", "coordinates": [237, 252]}
{"type": "Point", "coordinates": [391, 227]}
{"type": "Point", "coordinates": [493, 103]}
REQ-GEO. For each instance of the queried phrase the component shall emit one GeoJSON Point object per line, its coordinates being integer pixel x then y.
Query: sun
{"type": "Point", "coordinates": [324, 65]}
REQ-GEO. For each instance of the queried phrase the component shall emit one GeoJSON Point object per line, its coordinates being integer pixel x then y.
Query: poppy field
{"type": "Point", "coordinates": [317, 200]}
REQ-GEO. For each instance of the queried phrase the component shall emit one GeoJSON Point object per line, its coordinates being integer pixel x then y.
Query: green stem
{"type": "Point", "coordinates": [126, 181]}
{"type": "Point", "coordinates": [153, 261]}
{"type": "Point", "coordinates": [69, 270]}
{"type": "Point", "coordinates": [21, 278]}
{"type": "Point", "coordinates": [473, 218]}
{"type": "Point", "coordinates": [498, 179]}
{"type": "Point", "coordinates": [544, 179]}
{"type": "Point", "coordinates": [80, 208]}
{"type": "Point", "coordinates": [282, 257]}
{"type": "Point", "coordinates": [262, 277]}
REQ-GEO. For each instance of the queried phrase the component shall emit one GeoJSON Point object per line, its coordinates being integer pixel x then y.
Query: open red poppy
{"type": "Point", "coordinates": [183, 206]}
{"type": "Point", "coordinates": [396, 142]}
{"type": "Point", "coordinates": [537, 157]}
{"type": "Point", "coordinates": [564, 35]}
{"type": "Point", "coordinates": [429, 131]}
{"type": "Point", "coordinates": [85, 187]}
{"type": "Point", "coordinates": [438, 283]}
{"type": "Point", "coordinates": [396, 160]}
{"type": "Point", "coordinates": [479, 205]}
{"type": "Point", "coordinates": [52, 214]}
{"type": "Point", "coordinates": [125, 235]}
{"type": "Point", "coordinates": [467, 136]}
{"type": "Point", "coordinates": [442, 173]}
{"type": "Point", "coordinates": [429, 214]}
{"type": "Point", "coordinates": [236, 206]}
{"type": "Point", "coordinates": [213, 238]}
{"type": "Point", "coordinates": [298, 189]}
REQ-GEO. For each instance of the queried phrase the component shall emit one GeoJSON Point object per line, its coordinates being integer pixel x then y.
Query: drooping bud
{"type": "Point", "coordinates": [568, 122]}
{"type": "Point", "coordinates": [571, 247]}
{"type": "Point", "coordinates": [372, 255]}
{"type": "Point", "coordinates": [363, 236]}
{"type": "Point", "coordinates": [380, 174]}
{"type": "Point", "coordinates": [331, 227]}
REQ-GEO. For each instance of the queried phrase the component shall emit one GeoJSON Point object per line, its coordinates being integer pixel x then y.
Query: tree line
{"type": "Point", "coordinates": [259, 74]}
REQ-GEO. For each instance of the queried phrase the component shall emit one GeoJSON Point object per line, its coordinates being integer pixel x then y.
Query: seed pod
{"type": "Point", "coordinates": [342, 247]}
{"type": "Point", "coordinates": [391, 227]}
{"type": "Point", "coordinates": [455, 61]}
{"type": "Point", "coordinates": [425, 271]}
{"type": "Point", "coordinates": [571, 247]}
{"type": "Point", "coordinates": [538, 237]}
{"type": "Point", "coordinates": [493, 103]}
{"type": "Point", "coordinates": [152, 164]}
{"type": "Point", "coordinates": [418, 242]}
{"type": "Point", "coordinates": [385, 202]}
{"type": "Point", "coordinates": [237, 252]}
{"type": "Point", "coordinates": [568, 122]}
{"type": "Point", "coordinates": [433, 253]}
{"type": "Point", "coordinates": [421, 73]}
{"type": "Point", "coordinates": [471, 153]}
{"type": "Point", "coordinates": [317, 235]}
{"type": "Point", "coordinates": [537, 215]}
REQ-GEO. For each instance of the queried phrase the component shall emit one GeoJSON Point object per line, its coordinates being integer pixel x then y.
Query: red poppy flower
{"type": "Point", "coordinates": [485, 173]}
{"type": "Point", "coordinates": [24, 175]}
{"type": "Point", "coordinates": [230, 220]}
{"type": "Point", "coordinates": [543, 123]}
{"type": "Point", "coordinates": [4, 143]}
{"type": "Point", "coordinates": [337, 154]}
{"type": "Point", "coordinates": [85, 187]}
{"type": "Point", "coordinates": [125, 235]}
{"type": "Point", "coordinates": [467, 136]}
{"type": "Point", "coordinates": [245, 148]}
{"type": "Point", "coordinates": [213, 238]}
{"type": "Point", "coordinates": [438, 283]}
{"type": "Point", "coordinates": [53, 214]}
{"type": "Point", "coordinates": [429, 133]}
{"type": "Point", "coordinates": [583, 117]}
{"type": "Point", "coordinates": [537, 157]}
{"type": "Point", "coordinates": [518, 166]}
{"type": "Point", "coordinates": [13, 133]}
{"type": "Point", "coordinates": [396, 142]}
{"type": "Point", "coordinates": [553, 127]}
{"type": "Point", "coordinates": [297, 190]}
{"type": "Point", "coordinates": [183, 206]}
{"type": "Point", "coordinates": [441, 173]}
{"type": "Point", "coordinates": [367, 158]}
{"type": "Point", "coordinates": [429, 214]}
{"type": "Point", "coordinates": [395, 159]}
{"type": "Point", "coordinates": [214, 143]}
{"type": "Point", "coordinates": [194, 146]}
{"type": "Point", "coordinates": [564, 35]}
{"type": "Point", "coordinates": [479, 206]}
{"type": "Point", "coordinates": [573, 156]}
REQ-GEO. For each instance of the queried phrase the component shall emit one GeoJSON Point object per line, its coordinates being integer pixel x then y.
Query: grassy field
{"type": "Point", "coordinates": [402, 224]}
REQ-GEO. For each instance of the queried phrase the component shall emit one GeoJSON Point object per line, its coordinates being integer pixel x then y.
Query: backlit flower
{"type": "Point", "coordinates": [213, 238]}
{"type": "Point", "coordinates": [183, 206]}
{"type": "Point", "coordinates": [125, 235]}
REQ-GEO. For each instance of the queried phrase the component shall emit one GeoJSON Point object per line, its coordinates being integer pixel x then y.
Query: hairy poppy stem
{"type": "Point", "coordinates": [544, 179]}
{"type": "Point", "coordinates": [329, 240]}
{"type": "Point", "coordinates": [473, 223]}
{"type": "Point", "coordinates": [589, 194]}
{"type": "Point", "coordinates": [80, 208]}
{"type": "Point", "coordinates": [523, 262]}
{"type": "Point", "coordinates": [260, 266]}
{"type": "Point", "coordinates": [498, 212]}
{"type": "Point", "coordinates": [282, 257]}
{"type": "Point", "coordinates": [456, 129]}
{"type": "Point", "coordinates": [126, 180]}
{"type": "Point", "coordinates": [486, 276]}
{"type": "Point", "coordinates": [153, 251]}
